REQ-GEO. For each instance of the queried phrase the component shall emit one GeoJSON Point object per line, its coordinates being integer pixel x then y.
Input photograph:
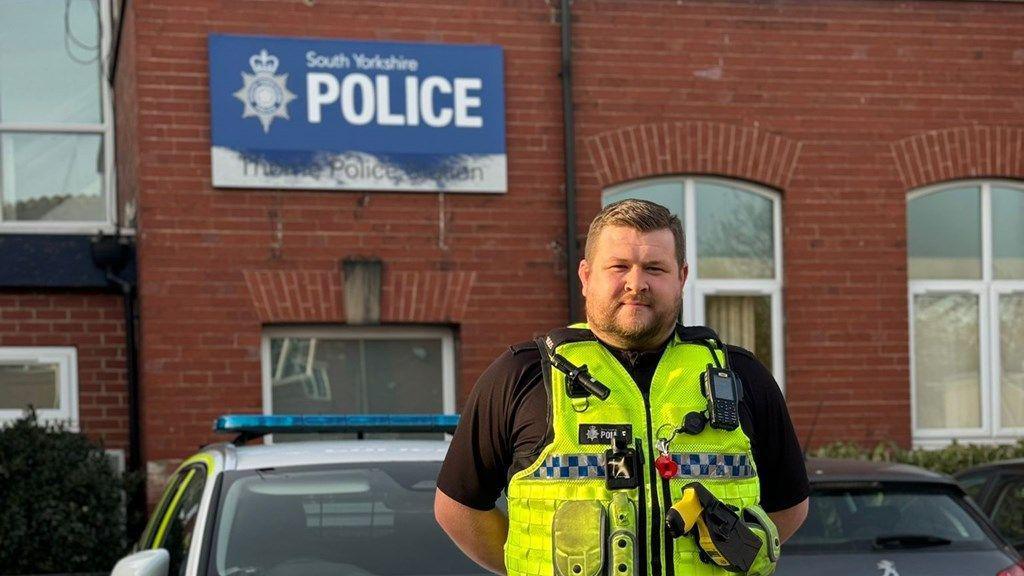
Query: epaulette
{"type": "Point", "coordinates": [560, 336]}
{"type": "Point", "coordinates": [696, 333]}
{"type": "Point", "coordinates": [741, 351]}
{"type": "Point", "coordinates": [522, 347]}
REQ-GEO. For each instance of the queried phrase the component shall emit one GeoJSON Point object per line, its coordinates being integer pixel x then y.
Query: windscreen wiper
{"type": "Point", "coordinates": [904, 541]}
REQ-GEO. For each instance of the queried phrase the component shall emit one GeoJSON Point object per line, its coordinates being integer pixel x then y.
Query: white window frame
{"type": "Point", "coordinates": [104, 129]}
{"type": "Point", "coordinates": [697, 289]}
{"type": "Point", "coordinates": [445, 335]}
{"type": "Point", "coordinates": [66, 359]}
{"type": "Point", "coordinates": [988, 290]}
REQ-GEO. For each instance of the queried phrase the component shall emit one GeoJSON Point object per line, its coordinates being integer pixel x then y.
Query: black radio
{"type": "Point", "coordinates": [723, 391]}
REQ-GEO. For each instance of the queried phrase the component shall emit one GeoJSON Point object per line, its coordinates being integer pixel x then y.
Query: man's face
{"type": "Point", "coordinates": [633, 287]}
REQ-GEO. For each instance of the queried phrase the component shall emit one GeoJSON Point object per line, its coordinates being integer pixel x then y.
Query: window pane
{"type": "Point", "coordinates": [337, 520]}
{"type": "Point", "coordinates": [49, 61]}
{"type": "Point", "coordinates": [973, 484]}
{"type": "Point", "coordinates": [179, 538]}
{"type": "Point", "coordinates": [946, 361]}
{"type": "Point", "coordinates": [944, 235]}
{"type": "Point", "coordinates": [734, 233]}
{"type": "Point", "coordinates": [668, 194]}
{"type": "Point", "coordinates": [1008, 512]}
{"type": "Point", "coordinates": [842, 521]}
{"type": "Point", "coordinates": [349, 376]}
{"type": "Point", "coordinates": [1011, 357]}
{"type": "Point", "coordinates": [52, 177]}
{"type": "Point", "coordinates": [743, 321]}
{"type": "Point", "coordinates": [1008, 233]}
{"type": "Point", "coordinates": [29, 383]}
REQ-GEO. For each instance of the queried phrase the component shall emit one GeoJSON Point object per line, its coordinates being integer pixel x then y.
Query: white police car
{"type": "Point", "coordinates": [338, 507]}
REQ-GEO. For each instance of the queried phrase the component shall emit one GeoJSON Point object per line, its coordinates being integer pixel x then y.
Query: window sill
{"type": "Point", "coordinates": [87, 228]}
{"type": "Point", "coordinates": [939, 443]}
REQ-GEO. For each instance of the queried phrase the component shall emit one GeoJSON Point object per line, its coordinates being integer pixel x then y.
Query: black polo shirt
{"type": "Point", "coordinates": [505, 420]}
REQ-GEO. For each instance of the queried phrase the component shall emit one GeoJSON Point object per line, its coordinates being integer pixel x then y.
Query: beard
{"type": "Point", "coordinates": [632, 328]}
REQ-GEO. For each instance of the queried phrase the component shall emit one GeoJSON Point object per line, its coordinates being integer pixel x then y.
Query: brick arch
{"type": "Point", "coordinates": [965, 152]}
{"type": "Point", "coordinates": [319, 296]}
{"type": "Point", "coordinates": [647, 150]}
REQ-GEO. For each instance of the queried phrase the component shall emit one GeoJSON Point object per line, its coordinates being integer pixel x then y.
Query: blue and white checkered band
{"type": "Point", "coordinates": [567, 466]}
{"type": "Point", "coordinates": [705, 465]}
{"type": "Point", "coordinates": [695, 465]}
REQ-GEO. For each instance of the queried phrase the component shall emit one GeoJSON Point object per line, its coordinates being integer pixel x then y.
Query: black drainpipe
{"type": "Point", "coordinates": [571, 249]}
{"type": "Point", "coordinates": [111, 253]}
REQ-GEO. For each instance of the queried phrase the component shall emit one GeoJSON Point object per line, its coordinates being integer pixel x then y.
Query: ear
{"type": "Point", "coordinates": [684, 271]}
{"type": "Point", "coordinates": [584, 273]}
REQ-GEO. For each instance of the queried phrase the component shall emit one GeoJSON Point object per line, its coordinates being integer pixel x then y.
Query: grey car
{"type": "Point", "coordinates": [998, 488]}
{"type": "Point", "coordinates": [881, 519]}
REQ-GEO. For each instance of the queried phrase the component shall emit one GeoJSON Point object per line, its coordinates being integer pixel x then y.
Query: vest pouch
{"type": "Point", "coordinates": [578, 538]}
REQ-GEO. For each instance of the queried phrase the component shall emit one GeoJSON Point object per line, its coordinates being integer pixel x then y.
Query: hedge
{"type": "Point", "coordinates": [948, 460]}
{"type": "Point", "coordinates": [61, 503]}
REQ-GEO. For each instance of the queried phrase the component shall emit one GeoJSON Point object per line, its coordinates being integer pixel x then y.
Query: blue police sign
{"type": "Point", "coordinates": [341, 115]}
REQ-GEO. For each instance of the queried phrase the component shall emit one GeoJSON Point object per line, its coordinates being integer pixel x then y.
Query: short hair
{"type": "Point", "coordinates": [641, 215]}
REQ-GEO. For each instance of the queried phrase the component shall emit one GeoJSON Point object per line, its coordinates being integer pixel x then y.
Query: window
{"type": "Point", "coordinates": [345, 519]}
{"type": "Point", "coordinates": [44, 378]}
{"type": "Point", "coordinates": [973, 485]}
{"type": "Point", "coordinates": [55, 117]}
{"type": "Point", "coordinates": [182, 517]}
{"type": "Point", "coordinates": [965, 248]}
{"type": "Point", "coordinates": [733, 247]}
{"type": "Point", "coordinates": [867, 519]}
{"type": "Point", "coordinates": [358, 370]}
{"type": "Point", "coordinates": [1008, 513]}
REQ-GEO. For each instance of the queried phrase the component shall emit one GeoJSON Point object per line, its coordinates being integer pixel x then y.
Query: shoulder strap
{"type": "Point", "coordinates": [704, 336]}
{"type": "Point", "coordinates": [545, 365]}
{"type": "Point", "coordinates": [560, 336]}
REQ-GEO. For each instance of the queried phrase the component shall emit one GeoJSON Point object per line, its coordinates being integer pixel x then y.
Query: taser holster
{"type": "Point", "coordinates": [747, 542]}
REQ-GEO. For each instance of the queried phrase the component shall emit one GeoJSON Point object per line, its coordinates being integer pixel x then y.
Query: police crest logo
{"type": "Point", "coordinates": [264, 94]}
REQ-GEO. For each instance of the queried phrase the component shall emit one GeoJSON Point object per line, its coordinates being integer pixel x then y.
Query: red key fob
{"type": "Point", "coordinates": [667, 467]}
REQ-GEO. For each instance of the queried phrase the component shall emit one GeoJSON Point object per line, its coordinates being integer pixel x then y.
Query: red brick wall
{"type": "Point", "coordinates": [840, 83]}
{"type": "Point", "coordinates": [501, 255]}
{"type": "Point", "coordinates": [846, 82]}
{"type": "Point", "coordinates": [94, 324]}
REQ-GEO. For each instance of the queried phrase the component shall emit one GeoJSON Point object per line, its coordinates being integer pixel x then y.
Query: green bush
{"type": "Point", "coordinates": [948, 460]}
{"type": "Point", "coordinates": [61, 503]}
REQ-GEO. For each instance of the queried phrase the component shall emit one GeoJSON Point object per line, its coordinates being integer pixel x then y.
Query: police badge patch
{"type": "Point", "coordinates": [264, 94]}
{"type": "Point", "coordinates": [605, 433]}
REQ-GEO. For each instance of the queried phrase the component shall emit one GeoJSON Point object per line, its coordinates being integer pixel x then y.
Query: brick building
{"type": "Point", "coordinates": [851, 174]}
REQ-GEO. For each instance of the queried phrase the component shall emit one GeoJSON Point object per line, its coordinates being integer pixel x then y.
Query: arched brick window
{"type": "Point", "coordinates": [734, 250]}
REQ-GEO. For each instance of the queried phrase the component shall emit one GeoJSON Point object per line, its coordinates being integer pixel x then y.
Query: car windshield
{"type": "Point", "coordinates": [342, 520]}
{"type": "Point", "coordinates": [843, 520]}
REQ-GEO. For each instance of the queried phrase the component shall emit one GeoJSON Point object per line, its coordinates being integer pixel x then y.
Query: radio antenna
{"type": "Point", "coordinates": [810, 433]}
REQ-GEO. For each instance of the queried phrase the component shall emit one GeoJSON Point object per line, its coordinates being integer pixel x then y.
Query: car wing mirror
{"type": "Point", "coordinates": [145, 563]}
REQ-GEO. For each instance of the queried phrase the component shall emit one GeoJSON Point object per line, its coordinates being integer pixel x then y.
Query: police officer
{"type": "Point", "coordinates": [566, 456]}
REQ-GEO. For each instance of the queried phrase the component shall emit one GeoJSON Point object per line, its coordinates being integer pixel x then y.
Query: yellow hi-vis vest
{"type": "Point", "coordinates": [570, 469]}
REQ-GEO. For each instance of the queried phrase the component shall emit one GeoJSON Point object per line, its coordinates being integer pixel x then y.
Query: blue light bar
{"type": "Point", "coordinates": [256, 425]}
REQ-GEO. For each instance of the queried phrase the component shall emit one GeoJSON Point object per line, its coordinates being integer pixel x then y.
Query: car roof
{"type": "Point", "coordinates": [328, 452]}
{"type": "Point", "coordinates": [1012, 463]}
{"type": "Point", "coordinates": [832, 470]}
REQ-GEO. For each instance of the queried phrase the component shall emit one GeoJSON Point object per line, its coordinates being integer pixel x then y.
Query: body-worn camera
{"type": "Point", "coordinates": [723, 391]}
